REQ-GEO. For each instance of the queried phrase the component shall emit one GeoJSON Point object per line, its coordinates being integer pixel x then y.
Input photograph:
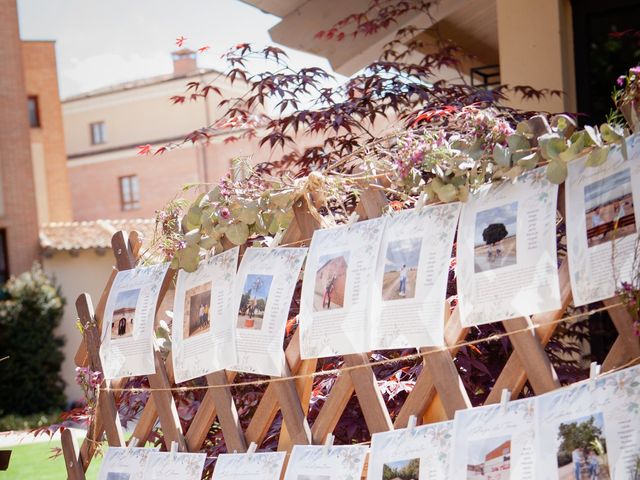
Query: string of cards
{"type": "Point", "coordinates": [589, 430]}
{"type": "Point", "coordinates": [381, 283]}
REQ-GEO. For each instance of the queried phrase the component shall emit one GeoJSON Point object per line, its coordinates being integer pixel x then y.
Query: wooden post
{"type": "Point", "coordinates": [71, 456]}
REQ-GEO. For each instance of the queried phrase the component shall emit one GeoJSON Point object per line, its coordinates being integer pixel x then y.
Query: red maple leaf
{"type": "Point", "coordinates": [204, 49]}
{"type": "Point", "coordinates": [144, 149]}
{"type": "Point", "coordinates": [180, 40]}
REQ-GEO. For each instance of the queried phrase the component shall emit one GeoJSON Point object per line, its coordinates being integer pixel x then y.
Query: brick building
{"type": "Point", "coordinates": [34, 186]}
{"type": "Point", "coordinates": [104, 127]}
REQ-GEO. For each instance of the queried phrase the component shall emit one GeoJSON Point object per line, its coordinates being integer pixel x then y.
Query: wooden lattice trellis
{"type": "Point", "coordinates": [437, 394]}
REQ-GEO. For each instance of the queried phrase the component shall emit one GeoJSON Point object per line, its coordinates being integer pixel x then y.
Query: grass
{"type": "Point", "coordinates": [32, 461]}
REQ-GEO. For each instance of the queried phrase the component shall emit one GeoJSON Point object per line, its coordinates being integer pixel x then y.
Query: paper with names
{"type": "Point", "coordinates": [426, 448]}
{"type": "Point", "coordinates": [506, 251]}
{"type": "Point", "coordinates": [337, 290]}
{"type": "Point", "coordinates": [263, 290]}
{"type": "Point", "coordinates": [174, 466]}
{"type": "Point", "coordinates": [339, 462]}
{"type": "Point", "coordinates": [495, 441]}
{"type": "Point", "coordinates": [126, 347]}
{"type": "Point", "coordinates": [203, 329]}
{"type": "Point", "coordinates": [123, 463]}
{"type": "Point", "coordinates": [412, 274]}
{"type": "Point", "coordinates": [249, 466]}
{"type": "Point", "coordinates": [607, 410]}
{"type": "Point", "coordinates": [602, 223]}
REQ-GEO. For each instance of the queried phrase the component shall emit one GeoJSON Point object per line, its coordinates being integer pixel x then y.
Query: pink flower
{"type": "Point", "coordinates": [635, 70]}
{"type": "Point", "coordinates": [224, 213]}
{"type": "Point", "coordinates": [621, 80]}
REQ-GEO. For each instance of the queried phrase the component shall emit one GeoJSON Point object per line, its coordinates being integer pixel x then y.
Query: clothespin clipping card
{"type": "Point", "coordinates": [277, 238]}
{"type": "Point", "coordinates": [421, 202]}
{"type": "Point", "coordinates": [133, 442]}
{"type": "Point", "coordinates": [353, 218]}
{"type": "Point", "coordinates": [411, 424]}
{"type": "Point", "coordinates": [504, 399]}
{"type": "Point", "coordinates": [594, 371]}
{"type": "Point", "coordinates": [328, 443]}
{"type": "Point", "coordinates": [251, 450]}
{"type": "Point", "coordinates": [174, 450]}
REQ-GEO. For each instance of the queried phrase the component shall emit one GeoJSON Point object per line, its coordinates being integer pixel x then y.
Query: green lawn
{"type": "Point", "coordinates": [31, 461]}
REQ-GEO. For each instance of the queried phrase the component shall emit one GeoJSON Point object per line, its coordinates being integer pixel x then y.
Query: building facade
{"type": "Point", "coordinates": [105, 127]}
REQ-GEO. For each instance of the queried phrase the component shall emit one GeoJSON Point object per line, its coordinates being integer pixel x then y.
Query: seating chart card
{"type": "Point", "coordinates": [174, 466]}
{"type": "Point", "coordinates": [337, 290]}
{"type": "Point", "coordinates": [507, 264]}
{"type": "Point", "coordinates": [413, 268]}
{"type": "Point", "coordinates": [317, 462]}
{"type": "Point", "coordinates": [495, 442]}
{"type": "Point", "coordinates": [601, 223]}
{"type": "Point", "coordinates": [263, 290]}
{"type": "Point", "coordinates": [203, 331]}
{"type": "Point", "coordinates": [249, 466]}
{"type": "Point", "coordinates": [126, 347]}
{"type": "Point", "coordinates": [420, 453]}
{"type": "Point", "coordinates": [123, 463]}
{"type": "Point", "coordinates": [590, 429]}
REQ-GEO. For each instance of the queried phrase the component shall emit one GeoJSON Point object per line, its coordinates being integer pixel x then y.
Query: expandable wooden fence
{"type": "Point", "coordinates": [437, 394]}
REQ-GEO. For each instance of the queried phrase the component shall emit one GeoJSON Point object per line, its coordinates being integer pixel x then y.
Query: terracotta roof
{"type": "Point", "coordinates": [60, 236]}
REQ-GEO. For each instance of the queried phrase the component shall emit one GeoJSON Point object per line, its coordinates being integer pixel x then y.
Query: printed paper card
{"type": "Point", "coordinates": [264, 287]}
{"type": "Point", "coordinates": [495, 442]}
{"type": "Point", "coordinates": [413, 268]}
{"type": "Point", "coordinates": [601, 223]}
{"type": "Point", "coordinates": [203, 331]}
{"type": "Point", "coordinates": [174, 466]}
{"type": "Point", "coordinates": [507, 264]}
{"type": "Point", "coordinates": [126, 348]}
{"type": "Point", "coordinates": [123, 463]}
{"type": "Point", "coordinates": [590, 429]}
{"type": "Point", "coordinates": [337, 290]}
{"type": "Point", "coordinates": [421, 453]}
{"type": "Point", "coordinates": [249, 466]}
{"type": "Point", "coordinates": [316, 462]}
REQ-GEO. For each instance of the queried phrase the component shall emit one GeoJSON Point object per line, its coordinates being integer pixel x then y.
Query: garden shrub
{"type": "Point", "coordinates": [30, 311]}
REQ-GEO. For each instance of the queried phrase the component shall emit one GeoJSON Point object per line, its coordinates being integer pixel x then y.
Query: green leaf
{"type": "Point", "coordinates": [551, 145]}
{"type": "Point", "coordinates": [598, 156]}
{"type": "Point", "coordinates": [611, 134]}
{"type": "Point", "coordinates": [188, 258]}
{"type": "Point", "coordinates": [594, 135]}
{"type": "Point", "coordinates": [237, 233]}
{"type": "Point", "coordinates": [194, 216]}
{"type": "Point", "coordinates": [192, 237]}
{"type": "Point", "coordinates": [214, 194]}
{"type": "Point", "coordinates": [502, 155]}
{"type": "Point", "coordinates": [447, 193]}
{"type": "Point", "coordinates": [207, 243]}
{"type": "Point", "coordinates": [247, 213]}
{"type": "Point", "coordinates": [516, 143]}
{"type": "Point", "coordinates": [556, 171]}
{"type": "Point", "coordinates": [282, 199]}
{"type": "Point", "coordinates": [577, 146]}
{"type": "Point", "coordinates": [530, 161]}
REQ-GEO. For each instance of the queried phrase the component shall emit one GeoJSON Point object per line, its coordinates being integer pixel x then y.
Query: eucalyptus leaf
{"type": "Point", "coordinates": [598, 156]}
{"type": "Point", "coordinates": [194, 217]}
{"type": "Point", "coordinates": [551, 145]}
{"type": "Point", "coordinates": [556, 171]}
{"type": "Point", "coordinates": [448, 193]}
{"type": "Point", "coordinates": [530, 161]}
{"type": "Point", "coordinates": [517, 143]}
{"type": "Point", "coordinates": [248, 213]}
{"type": "Point", "coordinates": [577, 146]}
{"type": "Point", "coordinates": [192, 237]}
{"type": "Point", "coordinates": [594, 135]}
{"type": "Point", "coordinates": [207, 243]}
{"type": "Point", "coordinates": [611, 134]}
{"type": "Point", "coordinates": [283, 198]}
{"type": "Point", "coordinates": [214, 194]}
{"type": "Point", "coordinates": [513, 172]}
{"type": "Point", "coordinates": [502, 155]}
{"type": "Point", "coordinates": [237, 233]}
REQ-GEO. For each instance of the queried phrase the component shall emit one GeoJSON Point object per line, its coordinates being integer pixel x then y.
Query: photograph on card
{"type": "Point", "coordinates": [311, 476]}
{"type": "Point", "coordinates": [489, 458]}
{"type": "Point", "coordinates": [582, 449]}
{"type": "Point", "coordinates": [253, 302]}
{"type": "Point", "coordinates": [197, 315]}
{"type": "Point", "coordinates": [124, 312]}
{"type": "Point", "coordinates": [117, 476]}
{"type": "Point", "coordinates": [401, 269]}
{"type": "Point", "coordinates": [609, 209]}
{"type": "Point", "coordinates": [495, 237]}
{"type": "Point", "coordinates": [331, 280]}
{"type": "Point", "coordinates": [408, 469]}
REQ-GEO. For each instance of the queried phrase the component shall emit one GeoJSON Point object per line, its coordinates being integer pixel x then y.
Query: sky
{"type": "Point", "coordinates": [400, 252]}
{"type": "Point", "coordinates": [264, 286]}
{"type": "Point", "coordinates": [101, 43]}
{"type": "Point", "coordinates": [609, 188]}
{"type": "Point", "coordinates": [127, 299]}
{"type": "Point", "coordinates": [478, 449]}
{"type": "Point", "coordinates": [506, 214]}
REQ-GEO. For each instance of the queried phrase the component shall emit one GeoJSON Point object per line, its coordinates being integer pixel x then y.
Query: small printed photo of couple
{"type": "Point", "coordinates": [582, 451]}
{"type": "Point", "coordinates": [401, 269]}
{"type": "Point", "coordinates": [253, 302]}
{"type": "Point", "coordinates": [197, 316]}
{"type": "Point", "coordinates": [124, 312]}
{"type": "Point", "coordinates": [331, 279]}
{"type": "Point", "coordinates": [608, 205]}
{"type": "Point", "coordinates": [495, 237]}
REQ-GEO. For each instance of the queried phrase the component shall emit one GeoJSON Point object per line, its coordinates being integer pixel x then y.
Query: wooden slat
{"type": "Point", "coordinates": [370, 399]}
{"type": "Point", "coordinates": [331, 411]}
{"type": "Point", "coordinates": [623, 322]}
{"type": "Point", "coordinates": [70, 452]}
{"type": "Point", "coordinates": [292, 413]}
{"type": "Point", "coordinates": [541, 374]}
{"type": "Point", "coordinates": [304, 387]}
{"type": "Point", "coordinates": [617, 356]}
{"type": "Point", "coordinates": [227, 413]}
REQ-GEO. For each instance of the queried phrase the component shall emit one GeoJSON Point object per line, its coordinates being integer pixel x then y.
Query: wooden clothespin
{"type": "Point", "coordinates": [174, 450]}
{"type": "Point", "coordinates": [353, 218]}
{"type": "Point", "coordinates": [251, 450]}
{"type": "Point", "coordinates": [277, 238]}
{"type": "Point", "coordinates": [328, 443]}
{"type": "Point", "coordinates": [504, 399]}
{"type": "Point", "coordinates": [411, 423]}
{"type": "Point", "coordinates": [133, 442]}
{"type": "Point", "coordinates": [594, 371]}
{"type": "Point", "coordinates": [420, 203]}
